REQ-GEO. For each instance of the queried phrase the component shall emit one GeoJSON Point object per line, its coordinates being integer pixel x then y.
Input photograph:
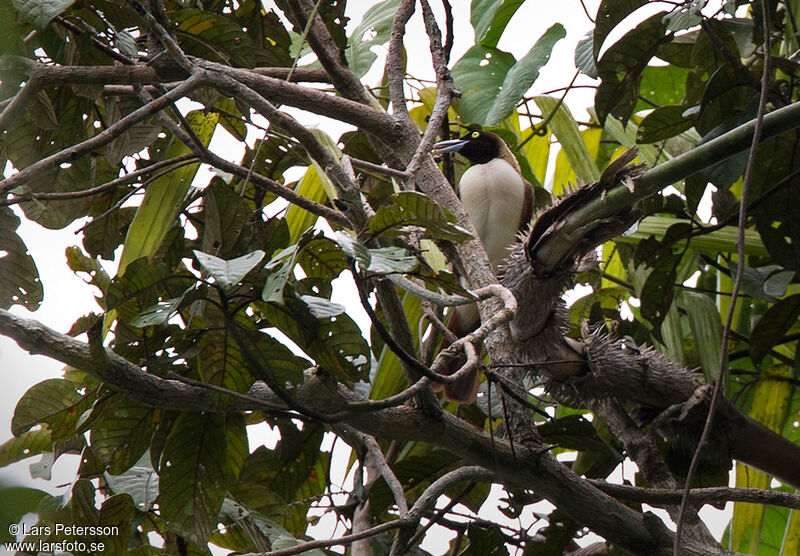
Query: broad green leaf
{"type": "Point", "coordinates": [17, 501]}
{"type": "Point", "coordinates": [383, 260]}
{"type": "Point", "coordinates": [770, 406]}
{"type": "Point", "coordinates": [280, 268]}
{"type": "Point", "coordinates": [663, 123]}
{"type": "Point", "coordinates": [233, 513]}
{"type": "Point", "coordinates": [193, 474]}
{"type": "Point", "coordinates": [723, 239]}
{"type": "Point", "coordinates": [704, 321]}
{"type": "Point", "coordinates": [214, 37]}
{"type": "Point", "coordinates": [165, 196]}
{"type": "Point", "coordinates": [663, 85]}
{"type": "Point", "coordinates": [621, 67]}
{"type": "Point", "coordinates": [117, 511]}
{"type": "Point", "coordinates": [489, 18]}
{"type": "Point", "coordinates": [222, 363]}
{"type": "Point", "coordinates": [584, 56]}
{"type": "Point", "coordinates": [322, 258]}
{"type": "Point", "coordinates": [140, 483]}
{"type": "Point", "coordinates": [41, 12]}
{"type": "Point", "coordinates": [773, 325]}
{"type": "Point", "coordinates": [47, 402]}
{"type": "Point", "coordinates": [25, 445]}
{"type": "Point", "coordinates": [121, 433]}
{"type": "Point", "coordinates": [20, 283]}
{"type": "Point", "coordinates": [321, 307]}
{"type": "Point", "coordinates": [228, 228]}
{"type": "Point", "coordinates": [565, 175]}
{"type": "Point", "coordinates": [316, 186]}
{"type": "Point", "coordinates": [521, 75]}
{"type": "Point", "coordinates": [478, 75]}
{"type": "Point", "coordinates": [569, 136]}
{"type": "Point", "coordinates": [267, 358]}
{"type": "Point", "coordinates": [372, 31]}
{"type": "Point", "coordinates": [537, 152]}
{"type": "Point", "coordinates": [136, 289]}
{"type": "Point", "coordinates": [133, 139]}
{"type": "Point", "coordinates": [159, 313]}
{"type": "Point", "coordinates": [228, 273]}
{"type": "Point", "coordinates": [609, 15]}
{"type": "Point", "coordinates": [409, 208]}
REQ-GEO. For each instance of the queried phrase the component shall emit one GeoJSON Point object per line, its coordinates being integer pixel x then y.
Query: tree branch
{"type": "Point", "coordinates": [103, 138]}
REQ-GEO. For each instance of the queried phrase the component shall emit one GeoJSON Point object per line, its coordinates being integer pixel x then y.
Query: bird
{"type": "Point", "coordinates": [499, 203]}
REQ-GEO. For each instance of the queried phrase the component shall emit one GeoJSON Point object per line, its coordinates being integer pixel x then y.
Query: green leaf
{"type": "Point", "coordinates": [663, 85]}
{"type": "Point", "coordinates": [159, 313]}
{"type": "Point", "coordinates": [621, 68]}
{"type": "Point", "coordinates": [383, 260]}
{"type": "Point", "coordinates": [478, 75]}
{"type": "Point", "coordinates": [164, 197]}
{"type": "Point", "coordinates": [193, 474]}
{"type": "Point", "coordinates": [41, 12]}
{"type": "Point", "coordinates": [574, 432]}
{"type": "Point", "coordinates": [20, 283]}
{"type": "Point", "coordinates": [140, 483]}
{"type": "Point", "coordinates": [280, 268]}
{"type": "Point", "coordinates": [322, 308]}
{"type": "Point", "coordinates": [136, 289]}
{"type": "Point", "coordinates": [663, 123]}
{"type": "Point", "coordinates": [609, 15]}
{"type": "Point", "coordinates": [569, 136]}
{"type": "Point", "coordinates": [26, 445]}
{"type": "Point", "coordinates": [584, 56]}
{"type": "Point", "coordinates": [322, 257]}
{"type": "Point", "coordinates": [658, 290]}
{"type": "Point", "coordinates": [489, 18]}
{"type": "Point", "coordinates": [521, 75]}
{"type": "Point", "coordinates": [121, 433]}
{"type": "Point", "coordinates": [17, 501]}
{"type": "Point", "coordinates": [222, 363]}
{"type": "Point", "coordinates": [228, 274]}
{"type": "Point", "coordinates": [46, 402]}
{"type": "Point", "coordinates": [409, 208]}
{"type": "Point", "coordinates": [214, 37]}
{"type": "Point", "coordinates": [267, 358]}
{"type": "Point", "coordinates": [373, 30]}
{"type": "Point", "coordinates": [773, 325]}
{"type": "Point", "coordinates": [233, 513]}
{"type": "Point", "coordinates": [704, 320]}
{"type": "Point", "coordinates": [134, 138]}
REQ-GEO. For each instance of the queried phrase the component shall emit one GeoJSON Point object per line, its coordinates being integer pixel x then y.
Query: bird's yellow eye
{"type": "Point", "coordinates": [475, 134]}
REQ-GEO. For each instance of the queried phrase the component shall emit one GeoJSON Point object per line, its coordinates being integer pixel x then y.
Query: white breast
{"type": "Point", "coordinates": [493, 194]}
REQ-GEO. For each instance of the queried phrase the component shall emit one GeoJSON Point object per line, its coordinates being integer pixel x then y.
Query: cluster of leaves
{"type": "Point", "coordinates": [209, 272]}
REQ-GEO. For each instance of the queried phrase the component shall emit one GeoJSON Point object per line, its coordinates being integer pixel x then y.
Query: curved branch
{"type": "Point", "coordinates": [713, 495]}
{"type": "Point", "coordinates": [103, 138]}
{"type": "Point", "coordinates": [527, 466]}
{"type": "Point", "coordinates": [619, 199]}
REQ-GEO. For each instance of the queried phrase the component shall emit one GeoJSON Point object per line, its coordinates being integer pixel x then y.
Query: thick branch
{"type": "Point", "coordinates": [522, 468]}
{"type": "Point", "coordinates": [619, 199]}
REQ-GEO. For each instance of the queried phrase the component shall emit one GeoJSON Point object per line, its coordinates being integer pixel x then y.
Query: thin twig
{"type": "Point", "coordinates": [740, 247]}
{"type": "Point", "coordinates": [104, 137]}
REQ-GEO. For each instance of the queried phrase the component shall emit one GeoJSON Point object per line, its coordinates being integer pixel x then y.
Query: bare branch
{"type": "Point", "coordinates": [122, 180]}
{"type": "Point", "coordinates": [394, 59]}
{"type": "Point", "coordinates": [444, 90]}
{"type": "Point", "coordinates": [716, 495]}
{"type": "Point", "coordinates": [103, 138]}
{"type": "Point", "coordinates": [379, 460]}
{"type": "Point", "coordinates": [327, 51]}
